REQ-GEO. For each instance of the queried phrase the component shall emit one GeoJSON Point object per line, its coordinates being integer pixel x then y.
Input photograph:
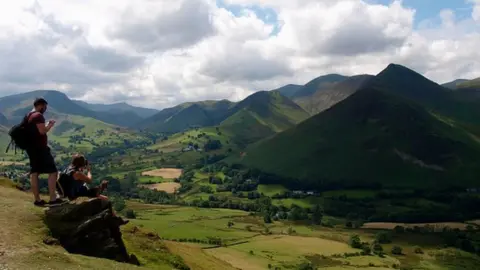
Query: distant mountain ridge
{"type": "Point", "coordinates": [289, 90]}
{"type": "Point", "coordinates": [269, 111]}
{"type": "Point", "coordinates": [14, 107]}
{"type": "Point", "coordinates": [326, 97]}
{"type": "Point", "coordinates": [318, 83]}
{"type": "Point", "coordinates": [117, 107]}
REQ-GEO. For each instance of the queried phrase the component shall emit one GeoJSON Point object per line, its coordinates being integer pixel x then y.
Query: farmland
{"type": "Point", "coordinates": [233, 239]}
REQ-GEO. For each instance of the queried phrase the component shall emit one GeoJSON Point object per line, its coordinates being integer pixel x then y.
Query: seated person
{"type": "Point", "coordinates": [72, 182]}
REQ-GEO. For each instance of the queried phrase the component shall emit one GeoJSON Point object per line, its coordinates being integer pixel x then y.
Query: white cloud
{"type": "Point", "coordinates": [161, 53]}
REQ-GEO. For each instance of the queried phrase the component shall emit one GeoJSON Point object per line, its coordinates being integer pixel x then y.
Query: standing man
{"type": "Point", "coordinates": [41, 159]}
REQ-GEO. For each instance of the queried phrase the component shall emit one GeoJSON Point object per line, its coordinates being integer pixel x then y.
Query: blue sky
{"type": "Point", "coordinates": [425, 9]}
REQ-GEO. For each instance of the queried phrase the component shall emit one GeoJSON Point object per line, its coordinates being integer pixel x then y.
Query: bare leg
{"type": "Point", "coordinates": [52, 182]}
{"type": "Point", "coordinates": [34, 186]}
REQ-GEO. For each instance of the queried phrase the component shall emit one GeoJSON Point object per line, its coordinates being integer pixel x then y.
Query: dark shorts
{"type": "Point", "coordinates": [87, 192]}
{"type": "Point", "coordinates": [41, 161]}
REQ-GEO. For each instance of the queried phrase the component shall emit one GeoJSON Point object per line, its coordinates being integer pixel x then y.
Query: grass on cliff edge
{"type": "Point", "coordinates": [23, 232]}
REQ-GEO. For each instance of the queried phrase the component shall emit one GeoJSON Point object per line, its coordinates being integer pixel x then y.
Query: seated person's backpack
{"type": "Point", "coordinates": [68, 187]}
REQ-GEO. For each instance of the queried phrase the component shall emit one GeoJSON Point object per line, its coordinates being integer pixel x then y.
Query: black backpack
{"type": "Point", "coordinates": [21, 135]}
{"type": "Point", "coordinates": [65, 183]}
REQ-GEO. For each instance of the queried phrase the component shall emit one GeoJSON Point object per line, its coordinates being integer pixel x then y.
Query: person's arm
{"type": "Point", "coordinates": [79, 176]}
{"type": "Point", "coordinates": [39, 121]}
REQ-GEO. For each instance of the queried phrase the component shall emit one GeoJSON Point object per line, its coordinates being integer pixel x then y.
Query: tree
{"type": "Point", "coordinates": [230, 224]}
{"type": "Point", "coordinates": [267, 218]}
{"type": "Point", "coordinates": [118, 204]}
{"type": "Point", "coordinates": [383, 237]}
{"type": "Point", "coordinates": [354, 241]}
{"type": "Point", "coordinates": [396, 250]}
{"type": "Point", "coordinates": [129, 213]}
{"type": "Point", "coordinates": [317, 215]}
{"type": "Point", "coordinates": [377, 248]}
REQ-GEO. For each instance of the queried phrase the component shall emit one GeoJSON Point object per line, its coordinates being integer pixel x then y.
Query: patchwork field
{"type": "Point", "coordinates": [233, 239]}
{"type": "Point", "coordinates": [169, 187]}
{"type": "Point", "coordinates": [166, 173]}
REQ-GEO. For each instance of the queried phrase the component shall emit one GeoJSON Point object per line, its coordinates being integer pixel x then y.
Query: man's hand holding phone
{"type": "Point", "coordinates": [50, 123]}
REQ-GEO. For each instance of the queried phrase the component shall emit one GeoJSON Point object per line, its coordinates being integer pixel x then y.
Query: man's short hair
{"type": "Point", "coordinates": [39, 101]}
{"type": "Point", "coordinates": [79, 161]}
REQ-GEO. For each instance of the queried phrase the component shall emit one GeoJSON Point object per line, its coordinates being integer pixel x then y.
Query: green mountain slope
{"type": "Point", "coordinates": [373, 137]}
{"type": "Point", "coordinates": [409, 84]}
{"type": "Point", "coordinates": [14, 108]}
{"type": "Point", "coordinates": [325, 98]}
{"type": "Point", "coordinates": [117, 108]}
{"type": "Point", "coordinates": [321, 82]}
{"type": "Point", "coordinates": [187, 115]}
{"type": "Point", "coordinates": [289, 90]}
{"type": "Point", "coordinates": [260, 115]}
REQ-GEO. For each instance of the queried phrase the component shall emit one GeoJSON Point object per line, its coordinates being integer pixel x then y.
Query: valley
{"type": "Point", "coordinates": [283, 179]}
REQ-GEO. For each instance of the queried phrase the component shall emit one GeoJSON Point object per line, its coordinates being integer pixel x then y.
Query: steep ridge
{"type": "Point", "coordinates": [371, 138]}
{"type": "Point", "coordinates": [322, 82]}
{"type": "Point", "coordinates": [325, 98]}
{"type": "Point", "coordinates": [409, 84]}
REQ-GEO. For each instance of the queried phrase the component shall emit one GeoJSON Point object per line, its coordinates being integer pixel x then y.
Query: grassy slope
{"type": "Point", "coordinates": [261, 115]}
{"type": "Point", "coordinates": [356, 141]}
{"type": "Point", "coordinates": [23, 232]}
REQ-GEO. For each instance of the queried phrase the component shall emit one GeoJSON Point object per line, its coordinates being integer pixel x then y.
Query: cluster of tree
{"type": "Point", "coordinates": [211, 145]}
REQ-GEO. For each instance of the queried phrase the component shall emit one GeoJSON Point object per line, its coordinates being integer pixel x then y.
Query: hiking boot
{"type": "Point", "coordinates": [39, 203]}
{"type": "Point", "coordinates": [56, 202]}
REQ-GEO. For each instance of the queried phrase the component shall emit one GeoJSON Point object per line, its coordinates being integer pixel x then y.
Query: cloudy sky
{"type": "Point", "coordinates": [159, 53]}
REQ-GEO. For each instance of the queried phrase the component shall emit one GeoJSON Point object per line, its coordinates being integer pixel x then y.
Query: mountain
{"type": "Point", "coordinates": [453, 84]}
{"type": "Point", "coordinates": [469, 84]}
{"type": "Point", "coordinates": [373, 137]}
{"type": "Point", "coordinates": [326, 97]}
{"type": "Point", "coordinates": [14, 107]}
{"type": "Point", "coordinates": [288, 90]}
{"type": "Point", "coordinates": [3, 120]}
{"type": "Point", "coordinates": [409, 84]}
{"type": "Point", "coordinates": [260, 115]}
{"type": "Point", "coordinates": [187, 115]}
{"type": "Point", "coordinates": [121, 107]}
{"type": "Point", "coordinates": [316, 84]}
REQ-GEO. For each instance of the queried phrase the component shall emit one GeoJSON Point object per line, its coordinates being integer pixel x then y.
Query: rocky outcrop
{"type": "Point", "coordinates": [90, 229]}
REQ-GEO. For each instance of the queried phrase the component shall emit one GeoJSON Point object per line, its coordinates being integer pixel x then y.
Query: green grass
{"type": "Point", "coordinates": [249, 248]}
{"type": "Point", "coordinates": [270, 190]}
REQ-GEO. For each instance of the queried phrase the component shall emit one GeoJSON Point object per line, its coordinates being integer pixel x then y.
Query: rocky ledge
{"type": "Point", "coordinates": [89, 228]}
